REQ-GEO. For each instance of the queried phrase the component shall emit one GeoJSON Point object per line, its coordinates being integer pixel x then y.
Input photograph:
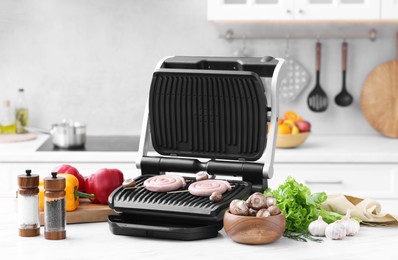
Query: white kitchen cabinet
{"type": "Point", "coordinates": [9, 172]}
{"type": "Point", "coordinates": [378, 181]}
{"type": "Point", "coordinates": [250, 10]}
{"type": "Point", "coordinates": [289, 10]}
{"type": "Point", "coordinates": [389, 9]}
{"type": "Point", "coordinates": [337, 10]}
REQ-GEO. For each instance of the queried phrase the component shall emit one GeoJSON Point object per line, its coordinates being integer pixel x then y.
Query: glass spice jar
{"type": "Point", "coordinates": [54, 207]}
{"type": "Point", "coordinates": [28, 205]}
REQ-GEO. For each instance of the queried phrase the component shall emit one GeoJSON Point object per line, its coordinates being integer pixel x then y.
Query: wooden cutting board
{"type": "Point", "coordinates": [379, 98]}
{"type": "Point", "coordinates": [86, 212]}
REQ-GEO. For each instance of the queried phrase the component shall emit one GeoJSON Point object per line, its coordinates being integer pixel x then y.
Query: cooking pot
{"type": "Point", "coordinates": [68, 134]}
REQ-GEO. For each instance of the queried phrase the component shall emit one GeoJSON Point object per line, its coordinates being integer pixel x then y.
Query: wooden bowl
{"type": "Point", "coordinates": [290, 140]}
{"type": "Point", "coordinates": [254, 230]}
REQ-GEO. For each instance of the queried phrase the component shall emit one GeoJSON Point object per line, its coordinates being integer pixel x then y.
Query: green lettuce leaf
{"type": "Point", "coordinates": [299, 206]}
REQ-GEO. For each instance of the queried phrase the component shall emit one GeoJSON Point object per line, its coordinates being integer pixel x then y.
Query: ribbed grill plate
{"type": "Point", "coordinates": [208, 114]}
{"type": "Point", "coordinates": [182, 205]}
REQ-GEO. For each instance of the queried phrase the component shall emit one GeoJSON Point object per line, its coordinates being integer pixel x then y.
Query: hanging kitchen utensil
{"type": "Point", "coordinates": [317, 99]}
{"type": "Point", "coordinates": [379, 99]}
{"type": "Point", "coordinates": [243, 51]}
{"type": "Point", "coordinates": [296, 77]}
{"type": "Point", "coordinates": [344, 98]}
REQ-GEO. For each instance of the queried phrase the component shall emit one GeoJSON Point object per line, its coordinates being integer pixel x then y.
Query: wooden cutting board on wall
{"type": "Point", "coordinates": [379, 97]}
{"type": "Point", "coordinates": [86, 212]}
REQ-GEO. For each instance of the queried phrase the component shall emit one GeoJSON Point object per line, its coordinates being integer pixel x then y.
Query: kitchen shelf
{"type": "Point", "coordinates": [371, 35]}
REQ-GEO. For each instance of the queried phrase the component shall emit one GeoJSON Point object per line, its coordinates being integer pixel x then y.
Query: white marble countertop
{"type": "Point", "coordinates": [342, 149]}
{"type": "Point", "coordinates": [95, 241]}
{"type": "Point", "coordinates": [333, 149]}
{"type": "Point", "coordinates": [26, 152]}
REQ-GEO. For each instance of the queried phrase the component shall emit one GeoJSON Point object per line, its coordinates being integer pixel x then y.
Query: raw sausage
{"type": "Point", "coordinates": [164, 183]}
{"type": "Point", "coordinates": [207, 187]}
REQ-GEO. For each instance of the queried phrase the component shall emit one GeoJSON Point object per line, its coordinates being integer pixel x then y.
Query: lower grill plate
{"type": "Point", "coordinates": [179, 216]}
{"type": "Point", "coordinates": [143, 226]}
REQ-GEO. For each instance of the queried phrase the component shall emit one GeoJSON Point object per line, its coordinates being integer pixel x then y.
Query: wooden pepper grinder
{"type": "Point", "coordinates": [28, 205]}
{"type": "Point", "coordinates": [54, 207]}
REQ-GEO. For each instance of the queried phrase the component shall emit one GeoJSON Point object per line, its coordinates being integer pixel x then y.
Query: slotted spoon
{"type": "Point", "coordinates": [317, 99]}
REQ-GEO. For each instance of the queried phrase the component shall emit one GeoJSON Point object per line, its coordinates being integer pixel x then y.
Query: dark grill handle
{"type": "Point", "coordinates": [157, 165]}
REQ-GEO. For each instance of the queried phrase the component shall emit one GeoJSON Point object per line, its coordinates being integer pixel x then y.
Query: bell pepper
{"type": "Point", "coordinates": [65, 168]}
{"type": "Point", "coordinates": [72, 193]}
{"type": "Point", "coordinates": [41, 194]}
{"type": "Point", "coordinates": [102, 183]}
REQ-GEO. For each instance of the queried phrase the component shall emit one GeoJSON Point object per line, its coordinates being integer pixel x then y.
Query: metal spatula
{"type": "Point", "coordinates": [317, 99]}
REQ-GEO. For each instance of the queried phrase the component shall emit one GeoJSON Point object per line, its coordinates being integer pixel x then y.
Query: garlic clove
{"type": "Point", "coordinates": [351, 225]}
{"type": "Point", "coordinates": [335, 231]}
{"type": "Point", "coordinates": [318, 227]}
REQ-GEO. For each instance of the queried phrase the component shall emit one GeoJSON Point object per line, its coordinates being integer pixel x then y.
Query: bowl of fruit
{"type": "Point", "coordinates": [293, 130]}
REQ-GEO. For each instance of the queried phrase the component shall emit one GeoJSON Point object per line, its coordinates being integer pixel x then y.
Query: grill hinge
{"type": "Point", "coordinates": [269, 112]}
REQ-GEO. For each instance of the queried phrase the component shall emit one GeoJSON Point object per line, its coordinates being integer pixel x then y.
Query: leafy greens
{"type": "Point", "coordinates": [300, 207]}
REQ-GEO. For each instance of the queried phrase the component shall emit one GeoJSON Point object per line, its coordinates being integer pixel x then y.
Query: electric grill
{"type": "Point", "coordinates": [203, 114]}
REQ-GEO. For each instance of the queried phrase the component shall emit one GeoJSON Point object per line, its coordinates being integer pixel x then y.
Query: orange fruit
{"type": "Point", "coordinates": [291, 115]}
{"type": "Point", "coordinates": [280, 121]}
{"type": "Point", "coordinates": [284, 129]}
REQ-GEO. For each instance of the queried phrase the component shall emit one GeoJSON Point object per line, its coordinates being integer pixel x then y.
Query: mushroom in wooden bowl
{"type": "Point", "coordinates": [255, 221]}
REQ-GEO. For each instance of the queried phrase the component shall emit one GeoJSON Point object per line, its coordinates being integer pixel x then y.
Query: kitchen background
{"type": "Point", "coordinates": [92, 60]}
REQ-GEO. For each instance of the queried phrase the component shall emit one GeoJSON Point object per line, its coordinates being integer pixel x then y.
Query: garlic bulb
{"type": "Point", "coordinates": [351, 225]}
{"type": "Point", "coordinates": [335, 231]}
{"type": "Point", "coordinates": [318, 227]}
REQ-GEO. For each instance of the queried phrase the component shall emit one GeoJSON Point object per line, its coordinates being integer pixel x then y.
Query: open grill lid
{"type": "Point", "coordinates": [211, 107]}
{"type": "Point", "coordinates": [208, 114]}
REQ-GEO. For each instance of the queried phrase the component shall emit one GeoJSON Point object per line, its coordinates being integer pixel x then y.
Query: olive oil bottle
{"type": "Point", "coordinates": [7, 122]}
{"type": "Point", "coordinates": [21, 113]}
